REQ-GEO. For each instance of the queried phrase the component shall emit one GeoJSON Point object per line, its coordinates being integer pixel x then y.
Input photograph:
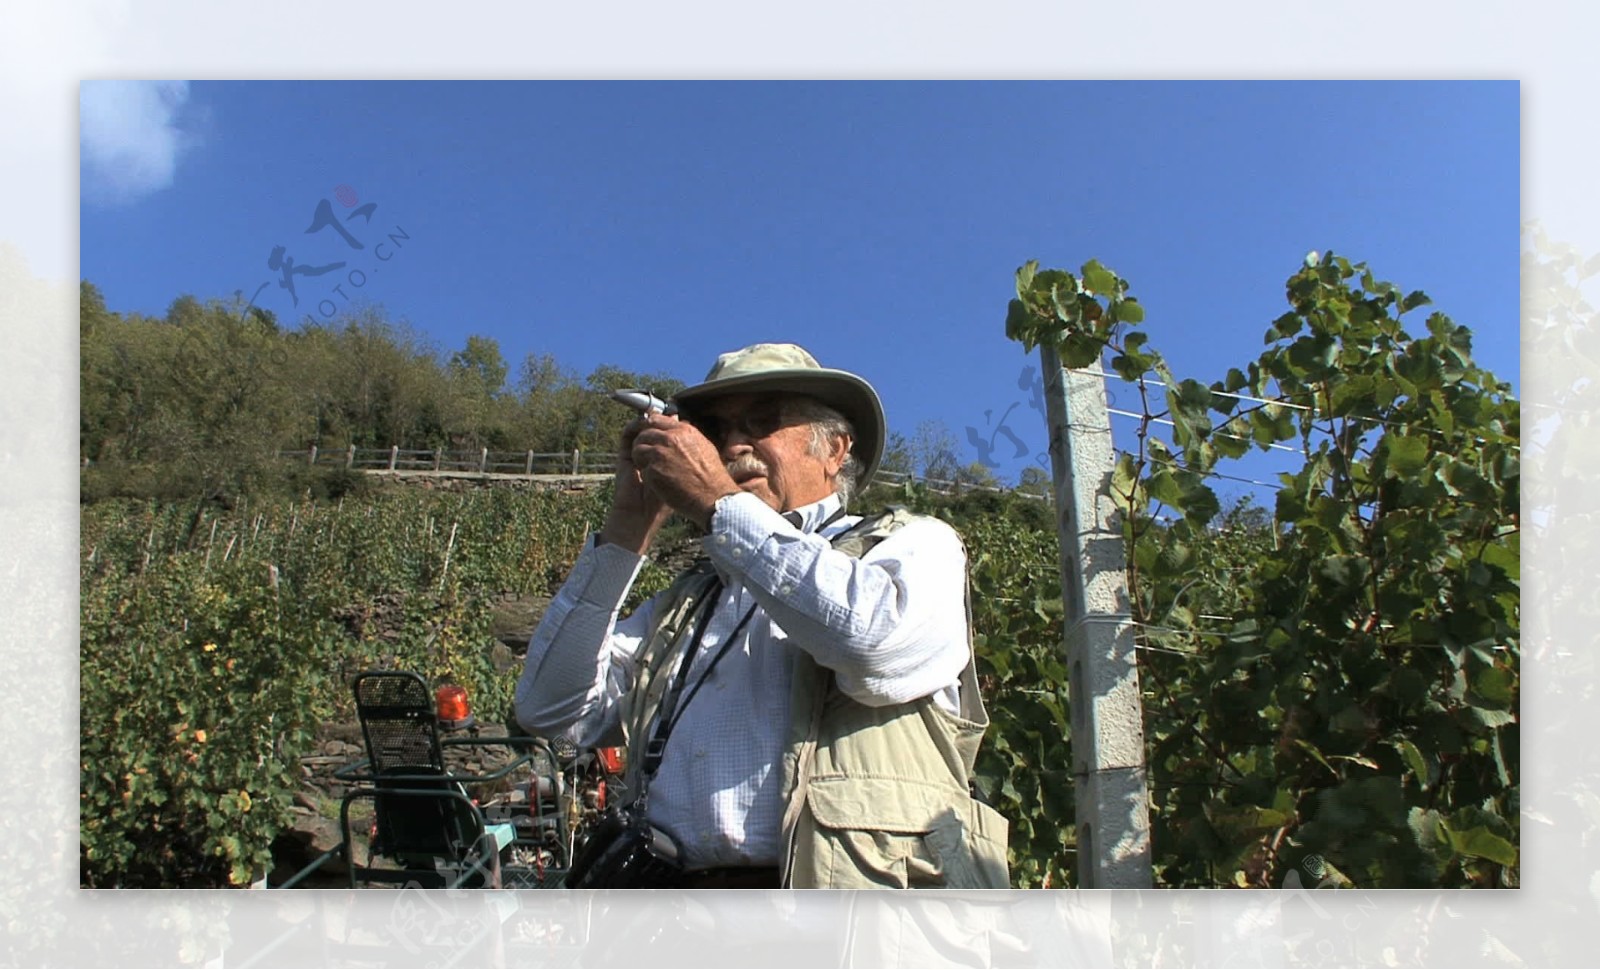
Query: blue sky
{"type": "Point", "coordinates": [654, 225]}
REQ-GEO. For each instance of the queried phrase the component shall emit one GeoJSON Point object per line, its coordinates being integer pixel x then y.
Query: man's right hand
{"type": "Point", "coordinates": [637, 512]}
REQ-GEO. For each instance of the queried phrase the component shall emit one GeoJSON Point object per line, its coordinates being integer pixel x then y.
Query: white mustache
{"type": "Point", "coordinates": [746, 465]}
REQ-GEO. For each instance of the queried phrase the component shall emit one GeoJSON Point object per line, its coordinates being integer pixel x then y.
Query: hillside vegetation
{"type": "Point", "coordinates": [1331, 684]}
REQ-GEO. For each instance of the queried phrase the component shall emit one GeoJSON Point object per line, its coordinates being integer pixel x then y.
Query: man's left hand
{"type": "Point", "coordinates": [681, 466]}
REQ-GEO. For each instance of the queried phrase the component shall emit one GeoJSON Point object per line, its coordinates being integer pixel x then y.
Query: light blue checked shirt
{"type": "Point", "coordinates": [892, 625]}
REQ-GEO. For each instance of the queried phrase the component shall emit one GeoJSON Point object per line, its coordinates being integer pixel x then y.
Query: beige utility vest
{"type": "Point", "coordinates": [873, 796]}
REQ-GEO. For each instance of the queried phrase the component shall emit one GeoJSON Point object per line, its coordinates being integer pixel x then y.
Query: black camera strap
{"type": "Point", "coordinates": [671, 709]}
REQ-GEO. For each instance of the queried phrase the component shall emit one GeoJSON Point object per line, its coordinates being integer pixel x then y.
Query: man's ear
{"type": "Point", "coordinates": [840, 453]}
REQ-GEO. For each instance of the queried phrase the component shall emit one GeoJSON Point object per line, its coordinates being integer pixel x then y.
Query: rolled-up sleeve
{"type": "Point", "coordinates": [580, 659]}
{"type": "Point", "coordinates": [892, 624]}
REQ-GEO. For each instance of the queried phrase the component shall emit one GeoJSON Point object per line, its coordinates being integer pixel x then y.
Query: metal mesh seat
{"type": "Point", "coordinates": [422, 816]}
{"type": "Point", "coordinates": [417, 813]}
{"type": "Point", "coordinates": [398, 721]}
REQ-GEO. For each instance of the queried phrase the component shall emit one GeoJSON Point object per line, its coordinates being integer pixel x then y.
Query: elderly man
{"type": "Point", "coordinates": [800, 708]}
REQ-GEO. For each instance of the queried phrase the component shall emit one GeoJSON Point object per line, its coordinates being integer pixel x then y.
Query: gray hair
{"type": "Point", "coordinates": [828, 426]}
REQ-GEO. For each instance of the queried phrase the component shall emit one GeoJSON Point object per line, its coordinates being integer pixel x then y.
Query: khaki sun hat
{"type": "Point", "coordinates": [789, 369]}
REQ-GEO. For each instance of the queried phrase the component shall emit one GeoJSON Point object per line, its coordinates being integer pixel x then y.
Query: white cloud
{"type": "Point", "coordinates": [130, 136]}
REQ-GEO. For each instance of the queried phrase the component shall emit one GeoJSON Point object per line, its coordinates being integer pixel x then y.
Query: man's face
{"type": "Point", "coordinates": [768, 450]}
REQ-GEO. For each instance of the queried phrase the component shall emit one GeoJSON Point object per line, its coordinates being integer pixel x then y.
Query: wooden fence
{"type": "Point", "coordinates": [438, 461]}
{"type": "Point", "coordinates": [525, 464]}
{"type": "Point", "coordinates": [943, 486]}
{"type": "Point", "coordinates": [574, 464]}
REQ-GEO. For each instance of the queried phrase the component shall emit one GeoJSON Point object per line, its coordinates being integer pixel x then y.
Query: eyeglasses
{"type": "Point", "coordinates": [754, 423]}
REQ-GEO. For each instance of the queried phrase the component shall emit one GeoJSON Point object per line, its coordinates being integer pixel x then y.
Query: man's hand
{"type": "Point", "coordinates": [637, 512]}
{"type": "Point", "coordinates": [680, 466]}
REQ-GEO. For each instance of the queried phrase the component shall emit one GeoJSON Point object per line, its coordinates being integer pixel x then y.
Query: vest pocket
{"type": "Point", "coordinates": [898, 833]}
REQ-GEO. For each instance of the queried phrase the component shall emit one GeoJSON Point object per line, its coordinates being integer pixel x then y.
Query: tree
{"type": "Point", "coordinates": [315, 356]}
{"type": "Point", "coordinates": [545, 397]}
{"type": "Point", "coordinates": [102, 418]}
{"type": "Point", "coordinates": [231, 403]}
{"type": "Point", "coordinates": [933, 451]}
{"type": "Point", "coordinates": [897, 456]}
{"type": "Point", "coordinates": [976, 474]}
{"type": "Point", "coordinates": [1344, 684]}
{"type": "Point", "coordinates": [186, 311]}
{"type": "Point", "coordinates": [480, 365]}
{"type": "Point", "coordinates": [477, 374]}
{"type": "Point", "coordinates": [389, 384]}
{"type": "Point", "coordinates": [1036, 481]}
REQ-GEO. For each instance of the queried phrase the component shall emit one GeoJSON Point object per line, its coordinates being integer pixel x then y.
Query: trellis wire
{"type": "Point", "coordinates": [1171, 424]}
{"type": "Point", "coordinates": [1315, 412]}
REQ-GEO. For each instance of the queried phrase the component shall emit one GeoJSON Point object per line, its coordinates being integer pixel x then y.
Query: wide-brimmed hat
{"type": "Point", "coordinates": [789, 369]}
